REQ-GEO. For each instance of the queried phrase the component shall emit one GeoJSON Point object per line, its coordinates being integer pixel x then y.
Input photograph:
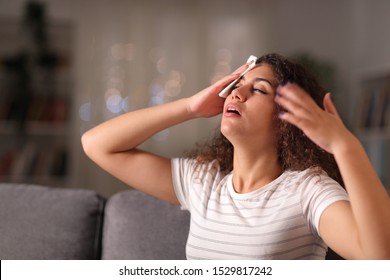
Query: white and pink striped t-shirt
{"type": "Point", "coordinates": [277, 221]}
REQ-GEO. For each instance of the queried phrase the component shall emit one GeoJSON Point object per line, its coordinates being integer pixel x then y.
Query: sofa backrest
{"type": "Point", "coordinates": [38, 222]}
{"type": "Point", "coordinates": [137, 226]}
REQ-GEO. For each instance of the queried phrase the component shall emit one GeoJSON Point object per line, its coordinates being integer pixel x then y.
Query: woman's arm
{"type": "Point", "coordinates": [359, 229]}
{"type": "Point", "coordinates": [113, 144]}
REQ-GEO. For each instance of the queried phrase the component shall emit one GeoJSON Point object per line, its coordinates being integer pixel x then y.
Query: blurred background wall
{"type": "Point", "coordinates": [121, 55]}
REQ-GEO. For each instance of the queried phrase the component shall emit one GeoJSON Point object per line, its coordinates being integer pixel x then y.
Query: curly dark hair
{"type": "Point", "coordinates": [296, 151]}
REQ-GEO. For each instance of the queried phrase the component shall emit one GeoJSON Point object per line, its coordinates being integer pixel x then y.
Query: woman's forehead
{"type": "Point", "coordinates": [261, 72]}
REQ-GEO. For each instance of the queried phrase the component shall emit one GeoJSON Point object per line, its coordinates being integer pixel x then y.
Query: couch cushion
{"type": "Point", "coordinates": [38, 222]}
{"type": "Point", "coordinates": [137, 226]}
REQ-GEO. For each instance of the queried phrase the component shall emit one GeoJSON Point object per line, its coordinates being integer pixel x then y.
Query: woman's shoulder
{"type": "Point", "coordinates": [197, 170]}
{"type": "Point", "coordinates": [309, 173]}
{"type": "Point", "coordinates": [312, 177]}
{"type": "Point", "coordinates": [195, 165]}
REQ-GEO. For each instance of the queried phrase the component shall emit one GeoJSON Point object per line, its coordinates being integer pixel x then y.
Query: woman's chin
{"type": "Point", "coordinates": [229, 132]}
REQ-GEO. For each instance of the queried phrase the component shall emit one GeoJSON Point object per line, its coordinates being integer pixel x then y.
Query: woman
{"type": "Point", "coordinates": [263, 189]}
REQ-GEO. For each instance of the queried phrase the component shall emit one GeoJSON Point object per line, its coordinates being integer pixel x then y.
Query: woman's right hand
{"type": "Point", "coordinates": [207, 103]}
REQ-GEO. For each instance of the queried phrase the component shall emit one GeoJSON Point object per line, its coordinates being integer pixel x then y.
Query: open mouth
{"type": "Point", "coordinates": [233, 111]}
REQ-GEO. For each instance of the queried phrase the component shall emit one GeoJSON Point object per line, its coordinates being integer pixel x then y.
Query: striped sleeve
{"type": "Point", "coordinates": [182, 172]}
{"type": "Point", "coordinates": [319, 192]}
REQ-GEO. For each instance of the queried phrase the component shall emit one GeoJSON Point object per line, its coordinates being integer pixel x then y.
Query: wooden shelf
{"type": "Point", "coordinates": [36, 128]}
{"type": "Point", "coordinates": [373, 120]}
{"type": "Point", "coordinates": [40, 152]}
{"type": "Point", "coordinates": [372, 134]}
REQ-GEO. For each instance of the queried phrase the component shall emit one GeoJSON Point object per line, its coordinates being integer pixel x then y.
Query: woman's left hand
{"type": "Point", "coordinates": [323, 127]}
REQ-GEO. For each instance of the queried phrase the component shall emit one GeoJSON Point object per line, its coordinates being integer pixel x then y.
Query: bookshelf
{"type": "Point", "coordinates": [36, 94]}
{"type": "Point", "coordinates": [373, 121]}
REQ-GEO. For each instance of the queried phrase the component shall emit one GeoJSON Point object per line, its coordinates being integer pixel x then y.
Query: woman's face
{"type": "Point", "coordinates": [250, 110]}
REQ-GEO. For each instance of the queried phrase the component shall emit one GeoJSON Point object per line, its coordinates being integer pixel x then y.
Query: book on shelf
{"type": "Point", "coordinates": [378, 151]}
{"type": "Point", "coordinates": [32, 163]}
{"type": "Point", "coordinates": [6, 161]}
{"type": "Point", "coordinates": [40, 109]}
{"type": "Point", "coordinates": [23, 161]}
{"type": "Point", "coordinates": [374, 106]}
{"type": "Point", "coordinates": [375, 110]}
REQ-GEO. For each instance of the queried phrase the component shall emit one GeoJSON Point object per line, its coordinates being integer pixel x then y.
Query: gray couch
{"type": "Point", "coordinates": [38, 222]}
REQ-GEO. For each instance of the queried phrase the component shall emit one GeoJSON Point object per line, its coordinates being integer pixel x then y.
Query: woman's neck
{"type": "Point", "coordinates": [254, 169]}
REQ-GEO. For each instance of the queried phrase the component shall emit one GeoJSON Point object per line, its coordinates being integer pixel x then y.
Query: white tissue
{"type": "Point", "coordinates": [225, 92]}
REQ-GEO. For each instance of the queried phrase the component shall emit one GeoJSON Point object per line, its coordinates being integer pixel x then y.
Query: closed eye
{"type": "Point", "coordinates": [233, 88]}
{"type": "Point", "coordinates": [257, 90]}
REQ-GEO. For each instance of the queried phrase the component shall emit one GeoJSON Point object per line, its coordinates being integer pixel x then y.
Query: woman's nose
{"type": "Point", "coordinates": [238, 94]}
